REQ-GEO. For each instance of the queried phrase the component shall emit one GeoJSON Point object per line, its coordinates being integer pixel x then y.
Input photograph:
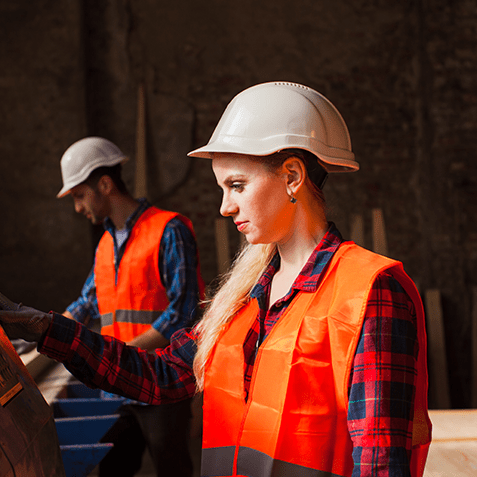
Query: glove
{"type": "Point", "coordinates": [25, 323]}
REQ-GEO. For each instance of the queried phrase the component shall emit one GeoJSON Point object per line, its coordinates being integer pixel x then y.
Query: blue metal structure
{"type": "Point", "coordinates": [39, 440]}
{"type": "Point", "coordinates": [82, 419]}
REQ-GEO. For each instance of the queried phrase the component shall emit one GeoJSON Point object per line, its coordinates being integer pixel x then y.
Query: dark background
{"type": "Point", "coordinates": [403, 75]}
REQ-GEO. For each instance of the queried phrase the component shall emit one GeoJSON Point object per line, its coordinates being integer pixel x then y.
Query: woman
{"type": "Point", "coordinates": [312, 354]}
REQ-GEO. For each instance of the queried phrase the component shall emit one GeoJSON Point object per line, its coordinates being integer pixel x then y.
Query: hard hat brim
{"type": "Point", "coordinates": [330, 160]}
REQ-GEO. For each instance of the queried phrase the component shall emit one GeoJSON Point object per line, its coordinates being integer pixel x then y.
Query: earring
{"type": "Point", "coordinates": [292, 199]}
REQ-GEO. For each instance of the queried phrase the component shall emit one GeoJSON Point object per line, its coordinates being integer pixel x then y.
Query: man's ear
{"type": "Point", "coordinates": [295, 172]}
{"type": "Point", "coordinates": [105, 185]}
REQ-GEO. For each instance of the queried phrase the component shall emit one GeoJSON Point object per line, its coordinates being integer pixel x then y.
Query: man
{"type": "Point", "coordinates": [144, 286]}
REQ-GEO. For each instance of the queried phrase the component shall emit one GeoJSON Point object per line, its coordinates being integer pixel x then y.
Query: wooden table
{"type": "Point", "coordinates": [453, 451]}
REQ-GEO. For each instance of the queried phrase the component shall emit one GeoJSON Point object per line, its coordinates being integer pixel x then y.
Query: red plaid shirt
{"type": "Point", "coordinates": [382, 384]}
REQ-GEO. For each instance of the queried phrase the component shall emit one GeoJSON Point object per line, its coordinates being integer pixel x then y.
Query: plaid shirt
{"type": "Point", "coordinates": [177, 267]}
{"type": "Point", "coordinates": [381, 388]}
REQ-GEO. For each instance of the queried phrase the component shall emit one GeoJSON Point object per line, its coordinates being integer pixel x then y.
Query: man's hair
{"type": "Point", "coordinates": [114, 172]}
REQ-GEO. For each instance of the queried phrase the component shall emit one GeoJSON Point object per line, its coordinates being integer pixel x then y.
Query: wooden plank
{"type": "Point", "coordinates": [140, 179]}
{"type": "Point", "coordinates": [452, 458]}
{"type": "Point", "coordinates": [222, 245]}
{"type": "Point", "coordinates": [438, 382]}
{"type": "Point", "coordinates": [36, 363]}
{"type": "Point", "coordinates": [453, 449]}
{"type": "Point", "coordinates": [380, 244]}
{"type": "Point", "coordinates": [53, 383]}
{"type": "Point", "coordinates": [474, 348]}
{"type": "Point", "coordinates": [357, 229]}
{"type": "Point", "coordinates": [453, 424]}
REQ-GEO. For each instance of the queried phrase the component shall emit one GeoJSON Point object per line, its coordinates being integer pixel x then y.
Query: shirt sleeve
{"type": "Point", "coordinates": [383, 382]}
{"type": "Point", "coordinates": [164, 376]}
{"type": "Point", "coordinates": [87, 303]}
{"type": "Point", "coordinates": [178, 269]}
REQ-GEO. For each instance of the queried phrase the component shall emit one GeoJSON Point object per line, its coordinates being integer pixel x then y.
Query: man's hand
{"type": "Point", "coordinates": [25, 323]}
{"type": "Point", "coordinates": [150, 340]}
{"type": "Point", "coordinates": [68, 315]}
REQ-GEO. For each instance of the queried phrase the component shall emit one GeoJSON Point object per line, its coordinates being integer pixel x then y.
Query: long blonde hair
{"type": "Point", "coordinates": [235, 286]}
{"type": "Point", "coordinates": [233, 294]}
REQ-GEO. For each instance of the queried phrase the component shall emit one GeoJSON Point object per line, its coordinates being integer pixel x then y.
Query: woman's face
{"type": "Point", "coordinates": [255, 198]}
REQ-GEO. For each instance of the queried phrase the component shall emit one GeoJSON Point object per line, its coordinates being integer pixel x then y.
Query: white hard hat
{"type": "Point", "coordinates": [83, 157]}
{"type": "Point", "coordinates": [270, 117]}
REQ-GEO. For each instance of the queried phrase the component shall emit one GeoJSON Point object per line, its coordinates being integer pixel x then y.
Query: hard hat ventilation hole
{"type": "Point", "coordinates": [296, 85]}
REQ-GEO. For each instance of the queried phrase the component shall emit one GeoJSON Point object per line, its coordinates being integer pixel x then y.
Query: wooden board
{"type": "Point", "coordinates": [453, 450]}
{"type": "Point", "coordinates": [222, 245]}
{"type": "Point", "coordinates": [438, 382]}
{"type": "Point", "coordinates": [357, 229]}
{"type": "Point", "coordinates": [453, 424]}
{"type": "Point", "coordinates": [140, 179]}
{"type": "Point", "coordinates": [474, 348]}
{"type": "Point", "coordinates": [452, 459]}
{"type": "Point", "coordinates": [380, 244]}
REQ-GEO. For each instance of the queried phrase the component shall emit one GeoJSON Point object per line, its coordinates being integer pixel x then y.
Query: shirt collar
{"type": "Point", "coordinates": [131, 220]}
{"type": "Point", "coordinates": [310, 275]}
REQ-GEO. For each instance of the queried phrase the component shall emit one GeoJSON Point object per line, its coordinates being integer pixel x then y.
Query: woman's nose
{"type": "Point", "coordinates": [228, 207]}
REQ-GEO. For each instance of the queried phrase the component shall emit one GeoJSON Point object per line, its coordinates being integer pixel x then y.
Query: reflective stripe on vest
{"type": "Point", "coordinates": [127, 322]}
{"type": "Point", "coordinates": [295, 419]}
{"type": "Point", "coordinates": [142, 317]}
{"type": "Point", "coordinates": [250, 462]}
{"type": "Point", "coordinates": [132, 300]}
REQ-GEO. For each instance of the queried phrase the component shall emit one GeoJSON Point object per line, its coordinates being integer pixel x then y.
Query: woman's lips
{"type": "Point", "coordinates": [240, 225]}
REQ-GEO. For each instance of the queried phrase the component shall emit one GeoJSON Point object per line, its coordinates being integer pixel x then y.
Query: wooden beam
{"type": "Point", "coordinates": [222, 245]}
{"type": "Point", "coordinates": [453, 450]}
{"type": "Point", "coordinates": [357, 229]}
{"type": "Point", "coordinates": [439, 386]}
{"type": "Point", "coordinates": [380, 244]}
{"type": "Point", "coordinates": [474, 348]}
{"type": "Point", "coordinates": [140, 179]}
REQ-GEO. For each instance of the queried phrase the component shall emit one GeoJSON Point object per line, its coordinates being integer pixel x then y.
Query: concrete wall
{"type": "Point", "coordinates": [401, 73]}
{"type": "Point", "coordinates": [44, 248]}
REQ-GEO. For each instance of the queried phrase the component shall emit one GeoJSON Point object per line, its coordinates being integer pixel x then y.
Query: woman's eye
{"type": "Point", "coordinates": [238, 186]}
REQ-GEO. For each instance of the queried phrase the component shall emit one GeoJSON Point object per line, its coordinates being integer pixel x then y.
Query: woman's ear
{"type": "Point", "coordinates": [295, 173]}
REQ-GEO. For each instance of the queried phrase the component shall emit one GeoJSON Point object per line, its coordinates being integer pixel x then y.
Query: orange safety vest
{"type": "Point", "coordinates": [131, 301]}
{"type": "Point", "coordinates": [294, 422]}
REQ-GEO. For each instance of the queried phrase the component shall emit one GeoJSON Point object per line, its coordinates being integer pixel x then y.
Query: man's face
{"type": "Point", "coordinates": [90, 202]}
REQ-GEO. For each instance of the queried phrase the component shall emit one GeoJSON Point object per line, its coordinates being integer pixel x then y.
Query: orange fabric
{"type": "Point", "coordinates": [129, 306]}
{"type": "Point", "coordinates": [297, 407]}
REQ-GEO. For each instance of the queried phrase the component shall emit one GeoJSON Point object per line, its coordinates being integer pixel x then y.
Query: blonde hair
{"type": "Point", "coordinates": [233, 294]}
{"type": "Point", "coordinates": [235, 285]}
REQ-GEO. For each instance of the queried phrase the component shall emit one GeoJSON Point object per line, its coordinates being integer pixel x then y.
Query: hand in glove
{"type": "Point", "coordinates": [25, 323]}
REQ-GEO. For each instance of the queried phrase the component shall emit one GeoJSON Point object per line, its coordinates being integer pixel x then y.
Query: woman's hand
{"type": "Point", "coordinates": [25, 323]}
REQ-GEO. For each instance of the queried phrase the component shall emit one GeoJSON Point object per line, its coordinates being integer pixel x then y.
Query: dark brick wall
{"type": "Point", "coordinates": [401, 73]}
